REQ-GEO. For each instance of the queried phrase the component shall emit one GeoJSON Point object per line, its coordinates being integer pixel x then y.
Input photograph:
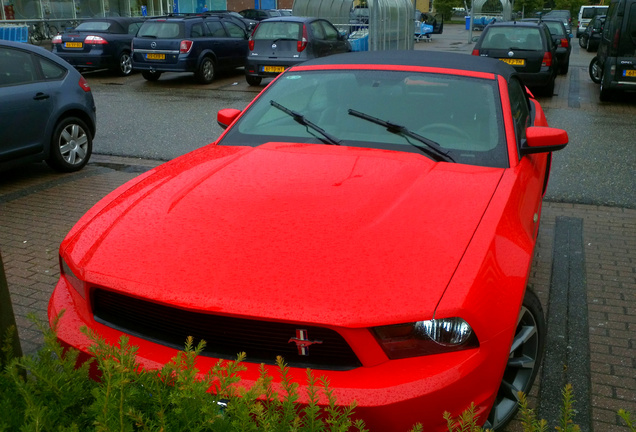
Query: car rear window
{"type": "Point", "coordinates": [556, 28]}
{"type": "Point", "coordinates": [162, 29]}
{"type": "Point", "coordinates": [528, 38]}
{"type": "Point", "coordinates": [93, 26]}
{"type": "Point", "coordinates": [278, 30]}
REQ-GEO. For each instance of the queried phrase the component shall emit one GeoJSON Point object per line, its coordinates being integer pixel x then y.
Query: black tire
{"type": "Point", "coordinates": [253, 80]}
{"type": "Point", "coordinates": [595, 70]}
{"type": "Point", "coordinates": [582, 42]}
{"type": "Point", "coordinates": [526, 354]}
{"type": "Point", "coordinates": [205, 72]}
{"type": "Point", "coordinates": [563, 70]}
{"type": "Point", "coordinates": [605, 94]}
{"type": "Point", "coordinates": [151, 76]}
{"type": "Point", "coordinates": [548, 90]}
{"type": "Point", "coordinates": [71, 145]}
{"type": "Point", "coordinates": [124, 64]}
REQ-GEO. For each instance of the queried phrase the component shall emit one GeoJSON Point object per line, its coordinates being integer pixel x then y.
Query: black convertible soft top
{"type": "Point", "coordinates": [420, 58]}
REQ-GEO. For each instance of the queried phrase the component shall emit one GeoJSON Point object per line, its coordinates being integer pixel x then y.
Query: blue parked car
{"type": "Point", "coordinates": [201, 44]}
{"type": "Point", "coordinates": [99, 43]}
{"type": "Point", "coordinates": [47, 110]}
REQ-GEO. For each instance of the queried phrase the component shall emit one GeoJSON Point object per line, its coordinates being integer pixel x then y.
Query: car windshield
{"type": "Point", "coordinates": [275, 30]}
{"type": "Point", "coordinates": [462, 115]}
{"type": "Point", "coordinates": [521, 38]}
{"type": "Point", "coordinates": [161, 30]}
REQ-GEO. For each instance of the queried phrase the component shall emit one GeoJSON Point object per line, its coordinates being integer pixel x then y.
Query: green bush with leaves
{"type": "Point", "coordinates": [49, 391]}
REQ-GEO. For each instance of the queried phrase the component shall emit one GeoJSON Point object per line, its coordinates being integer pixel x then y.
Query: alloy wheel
{"type": "Point", "coordinates": [526, 353]}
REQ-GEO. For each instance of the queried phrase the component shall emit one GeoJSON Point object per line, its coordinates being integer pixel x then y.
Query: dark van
{"type": "Point", "coordinates": [614, 66]}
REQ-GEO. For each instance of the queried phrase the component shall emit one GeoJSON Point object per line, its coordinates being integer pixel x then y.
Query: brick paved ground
{"type": "Point", "coordinates": [38, 207]}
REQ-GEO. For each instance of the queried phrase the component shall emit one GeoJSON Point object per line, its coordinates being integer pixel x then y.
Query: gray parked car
{"type": "Point", "coordinates": [279, 43]}
{"type": "Point", "coordinates": [47, 110]}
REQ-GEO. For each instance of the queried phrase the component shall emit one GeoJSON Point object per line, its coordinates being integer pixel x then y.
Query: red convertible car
{"type": "Point", "coordinates": [369, 215]}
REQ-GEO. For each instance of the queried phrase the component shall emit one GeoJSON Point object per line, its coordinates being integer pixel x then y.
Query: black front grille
{"type": "Point", "coordinates": [225, 336]}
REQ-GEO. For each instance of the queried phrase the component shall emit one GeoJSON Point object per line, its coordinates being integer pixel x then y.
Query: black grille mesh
{"type": "Point", "coordinates": [225, 336]}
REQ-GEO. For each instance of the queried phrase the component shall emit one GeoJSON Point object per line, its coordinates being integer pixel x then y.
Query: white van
{"type": "Point", "coordinates": [586, 13]}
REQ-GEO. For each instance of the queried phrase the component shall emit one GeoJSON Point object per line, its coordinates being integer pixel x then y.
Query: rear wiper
{"type": "Point", "coordinates": [431, 148]}
{"type": "Point", "coordinates": [299, 118]}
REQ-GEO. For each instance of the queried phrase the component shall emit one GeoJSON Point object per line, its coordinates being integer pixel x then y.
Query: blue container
{"type": "Point", "coordinates": [467, 22]}
{"type": "Point", "coordinates": [359, 40]}
{"type": "Point", "coordinates": [14, 33]}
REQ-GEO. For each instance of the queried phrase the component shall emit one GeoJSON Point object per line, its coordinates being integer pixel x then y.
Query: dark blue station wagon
{"type": "Point", "coordinates": [201, 44]}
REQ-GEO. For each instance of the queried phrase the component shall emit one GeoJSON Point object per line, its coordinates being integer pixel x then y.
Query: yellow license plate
{"type": "Point", "coordinates": [514, 62]}
{"type": "Point", "coordinates": [629, 73]}
{"type": "Point", "coordinates": [73, 45]}
{"type": "Point", "coordinates": [273, 69]}
{"type": "Point", "coordinates": [156, 56]}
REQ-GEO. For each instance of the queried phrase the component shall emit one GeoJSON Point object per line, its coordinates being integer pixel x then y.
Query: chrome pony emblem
{"type": "Point", "coordinates": [302, 342]}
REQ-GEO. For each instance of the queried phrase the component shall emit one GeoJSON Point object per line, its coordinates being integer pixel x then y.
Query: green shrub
{"type": "Point", "coordinates": [49, 391]}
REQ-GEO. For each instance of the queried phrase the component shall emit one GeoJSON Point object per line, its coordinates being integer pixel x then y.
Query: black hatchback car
{"type": "Point", "coordinates": [99, 43]}
{"type": "Point", "coordinates": [591, 37]}
{"type": "Point", "coordinates": [562, 39]}
{"type": "Point", "coordinates": [527, 46]}
{"type": "Point", "coordinates": [278, 43]}
{"type": "Point", "coordinates": [201, 44]}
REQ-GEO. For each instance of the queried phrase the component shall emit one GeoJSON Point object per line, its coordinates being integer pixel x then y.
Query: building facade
{"type": "Point", "coordinates": [62, 10]}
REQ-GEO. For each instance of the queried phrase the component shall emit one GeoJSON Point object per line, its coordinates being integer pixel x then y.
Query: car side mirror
{"type": "Point", "coordinates": [226, 117]}
{"type": "Point", "coordinates": [541, 139]}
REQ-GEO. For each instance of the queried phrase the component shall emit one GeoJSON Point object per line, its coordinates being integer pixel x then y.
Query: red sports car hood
{"type": "Point", "coordinates": [306, 233]}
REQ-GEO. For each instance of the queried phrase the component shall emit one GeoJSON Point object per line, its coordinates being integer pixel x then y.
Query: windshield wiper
{"type": "Point", "coordinates": [299, 118]}
{"type": "Point", "coordinates": [430, 147]}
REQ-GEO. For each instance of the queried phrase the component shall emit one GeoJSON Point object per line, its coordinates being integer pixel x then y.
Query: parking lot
{"type": "Point", "coordinates": [585, 261]}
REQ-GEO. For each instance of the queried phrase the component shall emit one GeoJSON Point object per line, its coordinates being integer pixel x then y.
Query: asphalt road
{"type": "Point", "coordinates": [170, 117]}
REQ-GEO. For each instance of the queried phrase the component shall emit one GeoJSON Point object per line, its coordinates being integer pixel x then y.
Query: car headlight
{"type": "Point", "coordinates": [426, 337]}
{"type": "Point", "coordinates": [74, 281]}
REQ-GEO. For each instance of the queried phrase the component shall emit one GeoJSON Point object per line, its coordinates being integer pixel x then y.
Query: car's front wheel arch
{"type": "Point", "coordinates": [71, 144]}
{"type": "Point", "coordinates": [524, 361]}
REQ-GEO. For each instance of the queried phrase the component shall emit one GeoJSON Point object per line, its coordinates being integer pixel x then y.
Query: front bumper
{"type": "Point", "coordinates": [390, 396]}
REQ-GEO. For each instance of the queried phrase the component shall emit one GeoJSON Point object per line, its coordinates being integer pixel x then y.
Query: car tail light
{"type": "Point", "coordinates": [250, 43]}
{"type": "Point", "coordinates": [547, 59]}
{"type": "Point", "coordinates": [476, 52]}
{"type": "Point", "coordinates": [84, 84]}
{"type": "Point", "coordinates": [564, 43]}
{"type": "Point", "coordinates": [425, 337]}
{"type": "Point", "coordinates": [302, 44]}
{"type": "Point", "coordinates": [185, 46]}
{"type": "Point", "coordinates": [57, 39]}
{"type": "Point", "coordinates": [95, 40]}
